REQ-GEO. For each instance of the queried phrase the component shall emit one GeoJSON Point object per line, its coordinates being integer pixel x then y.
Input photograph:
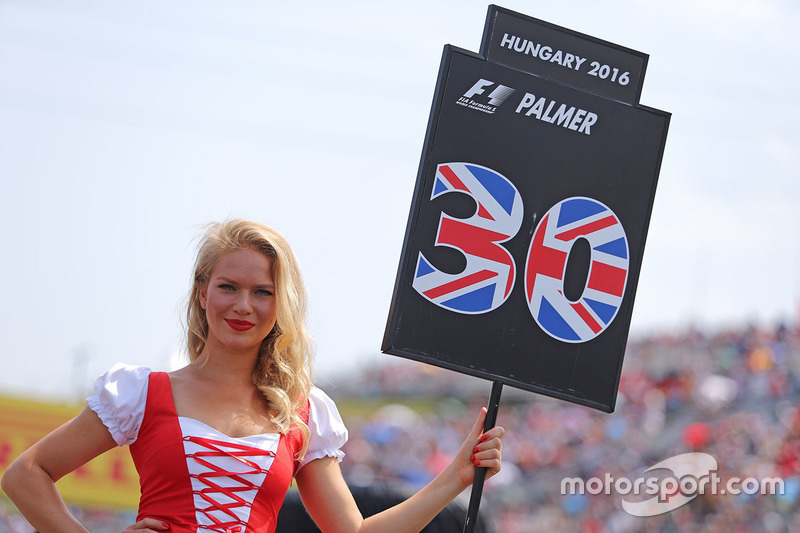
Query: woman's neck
{"type": "Point", "coordinates": [214, 365]}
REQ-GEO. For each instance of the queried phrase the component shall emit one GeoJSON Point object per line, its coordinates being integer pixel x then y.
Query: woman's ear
{"type": "Point", "coordinates": [202, 296]}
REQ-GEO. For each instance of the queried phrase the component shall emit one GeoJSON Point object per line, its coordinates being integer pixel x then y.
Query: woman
{"type": "Point", "coordinates": [217, 443]}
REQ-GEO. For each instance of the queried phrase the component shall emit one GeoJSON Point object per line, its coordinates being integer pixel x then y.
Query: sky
{"type": "Point", "coordinates": [126, 126]}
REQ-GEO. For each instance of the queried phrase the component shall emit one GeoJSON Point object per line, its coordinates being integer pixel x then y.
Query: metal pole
{"type": "Point", "coordinates": [480, 472]}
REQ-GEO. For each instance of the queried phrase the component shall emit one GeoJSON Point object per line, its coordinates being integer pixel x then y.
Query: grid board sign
{"type": "Point", "coordinates": [530, 212]}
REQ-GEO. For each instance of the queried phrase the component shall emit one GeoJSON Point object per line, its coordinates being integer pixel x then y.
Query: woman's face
{"type": "Point", "coordinates": [239, 301]}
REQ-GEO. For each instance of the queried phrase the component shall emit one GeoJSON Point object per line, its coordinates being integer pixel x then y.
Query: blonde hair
{"type": "Point", "coordinates": [283, 369]}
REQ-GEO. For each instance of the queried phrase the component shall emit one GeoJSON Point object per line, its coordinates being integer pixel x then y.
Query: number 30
{"type": "Point", "coordinates": [490, 273]}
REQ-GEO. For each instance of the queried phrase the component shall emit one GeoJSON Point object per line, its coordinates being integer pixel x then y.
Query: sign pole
{"type": "Point", "coordinates": [480, 473]}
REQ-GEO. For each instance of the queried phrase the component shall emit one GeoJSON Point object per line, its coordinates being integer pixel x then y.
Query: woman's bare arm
{"type": "Point", "coordinates": [30, 480]}
{"type": "Point", "coordinates": [330, 503]}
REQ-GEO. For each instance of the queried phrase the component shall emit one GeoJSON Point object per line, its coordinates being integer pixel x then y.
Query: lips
{"type": "Point", "coordinates": [239, 325]}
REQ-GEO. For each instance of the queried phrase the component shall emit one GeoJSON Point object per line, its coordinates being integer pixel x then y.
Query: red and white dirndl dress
{"type": "Point", "coordinates": [193, 476]}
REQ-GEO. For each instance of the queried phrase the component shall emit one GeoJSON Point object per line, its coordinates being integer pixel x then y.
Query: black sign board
{"type": "Point", "coordinates": [529, 217]}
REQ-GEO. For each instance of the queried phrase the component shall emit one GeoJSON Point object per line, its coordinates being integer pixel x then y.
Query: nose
{"type": "Point", "coordinates": [243, 304]}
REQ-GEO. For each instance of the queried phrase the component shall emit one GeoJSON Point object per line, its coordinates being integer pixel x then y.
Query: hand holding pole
{"type": "Point", "coordinates": [480, 472]}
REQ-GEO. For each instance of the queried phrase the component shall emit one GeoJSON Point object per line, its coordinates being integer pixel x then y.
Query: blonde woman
{"type": "Point", "coordinates": [218, 442]}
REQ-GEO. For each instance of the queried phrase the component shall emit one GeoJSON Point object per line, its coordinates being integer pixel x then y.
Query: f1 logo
{"type": "Point", "coordinates": [496, 97]}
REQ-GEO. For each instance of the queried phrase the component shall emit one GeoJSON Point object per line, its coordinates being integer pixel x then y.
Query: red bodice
{"type": "Point", "coordinates": [209, 482]}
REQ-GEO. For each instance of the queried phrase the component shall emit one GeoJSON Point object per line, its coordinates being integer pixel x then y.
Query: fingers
{"type": "Point", "coordinates": [148, 525]}
{"type": "Point", "coordinates": [487, 453]}
{"type": "Point", "coordinates": [496, 433]}
{"type": "Point", "coordinates": [480, 449]}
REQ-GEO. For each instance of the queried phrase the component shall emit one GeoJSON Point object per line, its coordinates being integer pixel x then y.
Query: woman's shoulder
{"type": "Point", "coordinates": [327, 431]}
{"type": "Point", "coordinates": [318, 395]}
{"type": "Point", "coordinates": [119, 400]}
{"type": "Point", "coordinates": [324, 417]}
{"type": "Point", "coordinates": [322, 407]}
{"type": "Point", "coordinates": [122, 378]}
{"type": "Point", "coordinates": [127, 371]}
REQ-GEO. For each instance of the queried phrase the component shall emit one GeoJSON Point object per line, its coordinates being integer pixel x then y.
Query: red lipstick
{"type": "Point", "coordinates": [239, 325]}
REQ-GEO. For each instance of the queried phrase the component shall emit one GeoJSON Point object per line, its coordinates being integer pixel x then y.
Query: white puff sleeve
{"type": "Point", "coordinates": [328, 432]}
{"type": "Point", "coordinates": [119, 400]}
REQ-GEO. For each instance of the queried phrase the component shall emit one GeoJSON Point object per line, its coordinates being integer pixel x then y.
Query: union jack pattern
{"type": "Point", "coordinates": [489, 275]}
{"type": "Point", "coordinates": [586, 318]}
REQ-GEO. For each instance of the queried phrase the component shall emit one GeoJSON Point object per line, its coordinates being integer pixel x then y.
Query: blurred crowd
{"type": "Point", "coordinates": [731, 394]}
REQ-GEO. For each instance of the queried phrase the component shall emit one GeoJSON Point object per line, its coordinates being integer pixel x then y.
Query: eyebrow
{"type": "Point", "coordinates": [229, 280]}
